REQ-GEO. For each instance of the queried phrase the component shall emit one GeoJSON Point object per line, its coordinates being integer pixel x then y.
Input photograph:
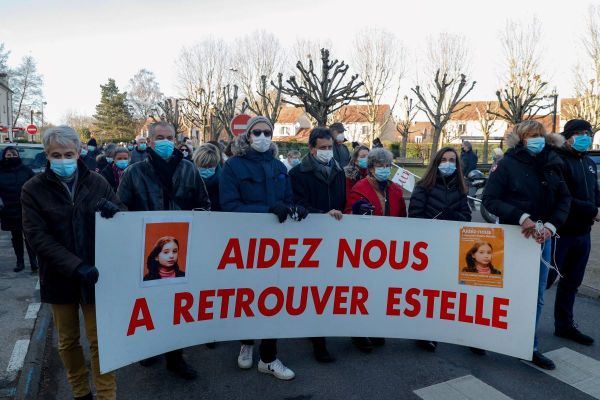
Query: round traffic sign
{"type": "Point", "coordinates": [31, 129]}
{"type": "Point", "coordinates": [239, 123]}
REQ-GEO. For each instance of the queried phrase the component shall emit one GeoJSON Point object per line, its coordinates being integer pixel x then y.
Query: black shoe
{"type": "Point", "coordinates": [363, 344]}
{"type": "Point", "coordinates": [479, 352]}
{"type": "Point", "coordinates": [182, 370]}
{"type": "Point", "coordinates": [427, 345]}
{"type": "Point", "coordinates": [20, 266]}
{"type": "Point", "coordinates": [149, 361]}
{"type": "Point", "coordinates": [542, 361]}
{"type": "Point", "coordinates": [377, 341]}
{"type": "Point", "coordinates": [323, 355]}
{"type": "Point", "coordinates": [575, 335]}
{"type": "Point", "coordinates": [86, 397]}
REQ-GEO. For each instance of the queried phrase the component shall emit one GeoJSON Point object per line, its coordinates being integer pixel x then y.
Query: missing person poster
{"type": "Point", "coordinates": [481, 256]}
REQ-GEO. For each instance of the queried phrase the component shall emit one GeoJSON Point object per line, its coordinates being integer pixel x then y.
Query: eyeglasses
{"type": "Point", "coordinates": [258, 132]}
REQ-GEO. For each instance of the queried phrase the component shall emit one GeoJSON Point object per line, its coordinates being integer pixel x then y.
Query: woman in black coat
{"type": "Point", "coordinates": [13, 175]}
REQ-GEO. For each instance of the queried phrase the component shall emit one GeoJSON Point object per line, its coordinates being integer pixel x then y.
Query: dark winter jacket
{"type": "Point", "coordinates": [254, 182]}
{"type": "Point", "coordinates": [212, 185]}
{"type": "Point", "coordinates": [353, 175]}
{"type": "Point", "coordinates": [156, 184]}
{"type": "Point", "coordinates": [443, 201]}
{"type": "Point", "coordinates": [528, 184]}
{"type": "Point", "coordinates": [138, 155]}
{"type": "Point", "coordinates": [89, 161]}
{"type": "Point", "coordinates": [62, 231]}
{"type": "Point", "coordinates": [341, 154]}
{"type": "Point", "coordinates": [315, 192]}
{"type": "Point", "coordinates": [112, 175]}
{"type": "Point", "coordinates": [13, 175]}
{"type": "Point", "coordinates": [391, 203]}
{"type": "Point", "coordinates": [468, 160]}
{"type": "Point", "coordinates": [580, 174]}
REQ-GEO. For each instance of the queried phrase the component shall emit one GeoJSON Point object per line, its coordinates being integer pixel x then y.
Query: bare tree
{"type": "Point", "coordinates": [267, 102]}
{"type": "Point", "coordinates": [447, 60]}
{"type": "Point", "coordinates": [202, 71]}
{"type": "Point", "coordinates": [486, 120]}
{"type": "Point", "coordinates": [3, 58]}
{"type": "Point", "coordinates": [143, 94]}
{"type": "Point", "coordinates": [587, 75]}
{"type": "Point", "coordinates": [523, 95]}
{"type": "Point", "coordinates": [408, 113]}
{"type": "Point", "coordinates": [321, 95]}
{"type": "Point", "coordinates": [169, 110]}
{"type": "Point", "coordinates": [26, 84]}
{"type": "Point", "coordinates": [228, 107]}
{"type": "Point", "coordinates": [82, 123]}
{"type": "Point", "coordinates": [378, 57]}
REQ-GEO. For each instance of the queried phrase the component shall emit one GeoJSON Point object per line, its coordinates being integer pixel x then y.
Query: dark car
{"type": "Point", "coordinates": [595, 156]}
{"type": "Point", "coordinates": [32, 155]}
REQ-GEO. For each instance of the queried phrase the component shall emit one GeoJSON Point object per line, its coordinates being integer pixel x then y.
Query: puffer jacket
{"type": "Point", "coordinates": [254, 182]}
{"type": "Point", "coordinates": [393, 203]}
{"type": "Point", "coordinates": [581, 176]}
{"type": "Point", "coordinates": [62, 231]}
{"type": "Point", "coordinates": [12, 179]}
{"type": "Point", "coordinates": [528, 184]}
{"type": "Point", "coordinates": [141, 188]}
{"type": "Point", "coordinates": [315, 192]}
{"type": "Point", "coordinates": [444, 201]}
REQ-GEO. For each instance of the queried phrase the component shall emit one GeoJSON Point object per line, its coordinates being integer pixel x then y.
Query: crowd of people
{"type": "Point", "coordinates": [545, 183]}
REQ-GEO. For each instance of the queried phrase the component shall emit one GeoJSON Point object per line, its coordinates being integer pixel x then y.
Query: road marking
{"type": "Point", "coordinates": [575, 369]}
{"type": "Point", "coordinates": [17, 357]}
{"type": "Point", "coordinates": [32, 310]}
{"type": "Point", "coordinates": [37, 285]}
{"type": "Point", "coordinates": [463, 388]}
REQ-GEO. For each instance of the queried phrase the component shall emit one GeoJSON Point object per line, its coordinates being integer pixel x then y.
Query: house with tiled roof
{"type": "Point", "coordinates": [290, 121]}
{"type": "Point", "coordinates": [355, 118]}
{"type": "Point", "coordinates": [465, 123]}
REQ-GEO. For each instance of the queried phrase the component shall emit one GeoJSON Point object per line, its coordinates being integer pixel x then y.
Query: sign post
{"type": "Point", "coordinates": [32, 130]}
{"type": "Point", "coordinates": [239, 123]}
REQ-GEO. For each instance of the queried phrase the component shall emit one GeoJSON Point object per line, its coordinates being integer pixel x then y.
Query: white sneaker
{"type": "Point", "coordinates": [245, 357]}
{"type": "Point", "coordinates": [277, 369]}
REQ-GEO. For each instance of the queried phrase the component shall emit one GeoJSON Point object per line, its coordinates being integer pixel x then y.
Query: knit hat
{"type": "Point", "coordinates": [576, 126]}
{"type": "Point", "coordinates": [92, 142]}
{"type": "Point", "coordinates": [257, 120]}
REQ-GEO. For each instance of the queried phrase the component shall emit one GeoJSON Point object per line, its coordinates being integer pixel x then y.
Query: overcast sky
{"type": "Point", "coordinates": [79, 45]}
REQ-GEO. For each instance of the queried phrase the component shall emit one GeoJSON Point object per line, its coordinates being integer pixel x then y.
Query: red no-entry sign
{"type": "Point", "coordinates": [239, 123]}
{"type": "Point", "coordinates": [31, 129]}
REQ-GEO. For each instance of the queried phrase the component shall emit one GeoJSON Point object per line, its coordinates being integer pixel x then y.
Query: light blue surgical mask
{"type": "Point", "coordinates": [91, 148]}
{"type": "Point", "coordinates": [109, 160]}
{"type": "Point", "coordinates": [382, 173]}
{"type": "Point", "coordinates": [130, 147]}
{"type": "Point", "coordinates": [362, 162]}
{"type": "Point", "coordinates": [582, 143]}
{"type": "Point", "coordinates": [164, 148]}
{"type": "Point", "coordinates": [64, 167]}
{"type": "Point", "coordinates": [122, 164]}
{"type": "Point", "coordinates": [83, 152]}
{"type": "Point", "coordinates": [536, 145]}
{"type": "Point", "coordinates": [206, 173]}
{"type": "Point", "coordinates": [143, 146]}
{"type": "Point", "coordinates": [295, 161]}
{"type": "Point", "coordinates": [447, 168]}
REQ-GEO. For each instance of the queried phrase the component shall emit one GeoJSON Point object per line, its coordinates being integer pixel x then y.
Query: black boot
{"type": "Point", "coordinates": [542, 361]}
{"type": "Point", "coordinates": [320, 351]}
{"type": "Point", "coordinates": [427, 345]}
{"type": "Point", "coordinates": [34, 265]}
{"type": "Point", "coordinates": [147, 362]}
{"type": "Point", "coordinates": [575, 335]}
{"type": "Point", "coordinates": [377, 341]}
{"type": "Point", "coordinates": [20, 265]}
{"type": "Point", "coordinates": [182, 369]}
{"type": "Point", "coordinates": [86, 397]}
{"type": "Point", "coordinates": [475, 350]}
{"type": "Point", "coordinates": [363, 344]}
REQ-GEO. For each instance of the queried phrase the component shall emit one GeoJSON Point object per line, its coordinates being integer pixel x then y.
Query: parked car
{"type": "Point", "coordinates": [32, 155]}
{"type": "Point", "coordinates": [595, 156]}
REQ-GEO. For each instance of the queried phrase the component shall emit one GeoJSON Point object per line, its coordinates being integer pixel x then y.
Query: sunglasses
{"type": "Point", "coordinates": [258, 132]}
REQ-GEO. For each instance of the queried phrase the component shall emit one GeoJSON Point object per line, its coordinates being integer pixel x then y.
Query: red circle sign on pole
{"type": "Point", "coordinates": [31, 129]}
{"type": "Point", "coordinates": [239, 123]}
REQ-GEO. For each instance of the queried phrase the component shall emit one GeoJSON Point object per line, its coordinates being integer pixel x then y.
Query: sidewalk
{"type": "Point", "coordinates": [592, 274]}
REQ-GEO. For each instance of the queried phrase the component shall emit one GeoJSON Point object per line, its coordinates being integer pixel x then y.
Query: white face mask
{"type": "Point", "coordinates": [324, 156]}
{"type": "Point", "coordinates": [261, 143]}
{"type": "Point", "coordinates": [340, 137]}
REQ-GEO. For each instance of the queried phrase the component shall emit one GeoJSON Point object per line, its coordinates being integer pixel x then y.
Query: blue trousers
{"type": "Point", "coordinates": [546, 256]}
{"type": "Point", "coordinates": [572, 254]}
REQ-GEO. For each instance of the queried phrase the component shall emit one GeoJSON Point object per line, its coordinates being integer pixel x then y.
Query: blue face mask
{"type": "Point", "coordinates": [295, 161]}
{"type": "Point", "coordinates": [91, 148]}
{"type": "Point", "coordinates": [362, 162]}
{"type": "Point", "coordinates": [130, 147]}
{"type": "Point", "coordinates": [582, 143]}
{"type": "Point", "coordinates": [206, 173]}
{"type": "Point", "coordinates": [83, 152]}
{"type": "Point", "coordinates": [143, 146]}
{"type": "Point", "coordinates": [164, 148]}
{"type": "Point", "coordinates": [122, 164]}
{"type": "Point", "coordinates": [64, 167]}
{"type": "Point", "coordinates": [109, 160]}
{"type": "Point", "coordinates": [447, 168]}
{"type": "Point", "coordinates": [536, 145]}
{"type": "Point", "coordinates": [382, 173]}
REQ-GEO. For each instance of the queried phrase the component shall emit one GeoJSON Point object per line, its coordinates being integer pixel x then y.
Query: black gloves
{"type": "Point", "coordinates": [107, 209]}
{"type": "Point", "coordinates": [362, 207]}
{"type": "Point", "coordinates": [280, 210]}
{"type": "Point", "coordinates": [298, 213]}
{"type": "Point", "coordinates": [86, 274]}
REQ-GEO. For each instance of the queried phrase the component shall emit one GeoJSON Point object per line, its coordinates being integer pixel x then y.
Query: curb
{"type": "Point", "coordinates": [588, 291]}
{"type": "Point", "coordinates": [28, 385]}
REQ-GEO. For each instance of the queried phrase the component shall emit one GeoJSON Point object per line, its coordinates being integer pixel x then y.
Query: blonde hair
{"type": "Point", "coordinates": [207, 155]}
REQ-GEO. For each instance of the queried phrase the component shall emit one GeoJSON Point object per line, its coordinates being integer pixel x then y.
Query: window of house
{"type": "Point", "coordinates": [462, 128]}
{"type": "Point", "coordinates": [285, 131]}
{"type": "Point", "coordinates": [365, 130]}
{"type": "Point", "coordinates": [418, 139]}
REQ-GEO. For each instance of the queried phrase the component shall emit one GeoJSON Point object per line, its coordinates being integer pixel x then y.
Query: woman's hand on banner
{"type": "Point", "coordinates": [337, 214]}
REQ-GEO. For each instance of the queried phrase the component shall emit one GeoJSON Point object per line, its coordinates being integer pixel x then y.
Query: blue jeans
{"type": "Point", "coordinates": [546, 256]}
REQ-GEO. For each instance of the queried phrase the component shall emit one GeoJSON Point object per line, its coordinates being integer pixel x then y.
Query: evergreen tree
{"type": "Point", "coordinates": [113, 115]}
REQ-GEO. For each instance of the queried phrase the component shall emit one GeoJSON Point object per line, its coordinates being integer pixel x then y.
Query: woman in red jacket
{"type": "Point", "coordinates": [357, 168]}
{"type": "Point", "coordinates": [375, 194]}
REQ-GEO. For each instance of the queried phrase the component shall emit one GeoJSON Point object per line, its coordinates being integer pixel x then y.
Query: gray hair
{"type": "Point", "coordinates": [294, 153]}
{"type": "Point", "coordinates": [468, 144]}
{"type": "Point", "coordinates": [379, 155]}
{"type": "Point", "coordinates": [162, 124]}
{"type": "Point", "coordinates": [207, 155]}
{"type": "Point", "coordinates": [120, 150]}
{"type": "Point", "coordinates": [62, 135]}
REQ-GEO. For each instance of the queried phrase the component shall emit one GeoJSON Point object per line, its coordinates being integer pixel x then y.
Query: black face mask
{"type": "Point", "coordinates": [12, 162]}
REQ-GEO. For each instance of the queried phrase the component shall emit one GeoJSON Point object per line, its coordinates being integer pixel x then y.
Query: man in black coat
{"type": "Point", "coordinates": [468, 158]}
{"type": "Point", "coordinates": [341, 154]}
{"type": "Point", "coordinates": [574, 243]}
{"type": "Point", "coordinates": [319, 185]}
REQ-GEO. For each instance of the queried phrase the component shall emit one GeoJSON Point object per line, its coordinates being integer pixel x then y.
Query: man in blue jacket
{"type": "Point", "coordinates": [255, 181]}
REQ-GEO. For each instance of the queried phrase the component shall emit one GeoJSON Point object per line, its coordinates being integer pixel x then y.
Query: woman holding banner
{"type": "Point", "coordinates": [528, 189]}
{"type": "Point", "coordinates": [441, 194]}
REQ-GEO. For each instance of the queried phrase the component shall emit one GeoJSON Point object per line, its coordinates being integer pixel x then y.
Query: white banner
{"type": "Point", "coordinates": [171, 280]}
{"type": "Point", "coordinates": [404, 178]}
